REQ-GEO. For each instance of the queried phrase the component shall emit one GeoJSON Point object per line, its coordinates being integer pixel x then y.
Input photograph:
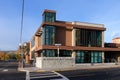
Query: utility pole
{"type": "Point", "coordinates": [21, 31]}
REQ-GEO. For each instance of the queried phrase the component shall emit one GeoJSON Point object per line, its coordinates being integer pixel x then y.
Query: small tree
{"type": "Point", "coordinates": [4, 56]}
{"type": "Point", "coordinates": [12, 56]}
{"type": "Point", "coordinates": [18, 57]}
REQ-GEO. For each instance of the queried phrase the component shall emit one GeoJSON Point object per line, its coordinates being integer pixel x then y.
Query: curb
{"type": "Point", "coordinates": [22, 69]}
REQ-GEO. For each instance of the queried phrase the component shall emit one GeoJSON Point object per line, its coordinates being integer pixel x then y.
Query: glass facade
{"type": "Point", "coordinates": [88, 57]}
{"type": "Point", "coordinates": [86, 37]}
{"type": "Point", "coordinates": [33, 54]}
{"type": "Point", "coordinates": [49, 17]}
{"type": "Point", "coordinates": [79, 56]}
{"type": "Point", "coordinates": [49, 53]}
{"type": "Point", "coordinates": [53, 53]}
{"type": "Point", "coordinates": [33, 43]}
{"type": "Point", "coordinates": [65, 53]}
{"type": "Point", "coordinates": [48, 35]}
{"type": "Point", "coordinates": [96, 57]}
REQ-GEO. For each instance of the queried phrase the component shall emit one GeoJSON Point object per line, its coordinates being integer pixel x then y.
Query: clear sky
{"type": "Point", "coordinates": [105, 12]}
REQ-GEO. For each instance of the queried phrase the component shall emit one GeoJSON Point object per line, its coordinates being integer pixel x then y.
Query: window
{"type": "Point", "coordinates": [49, 35]}
{"type": "Point", "coordinates": [88, 57]}
{"type": "Point", "coordinates": [86, 37]}
{"type": "Point", "coordinates": [96, 57]}
{"type": "Point", "coordinates": [79, 56]}
{"type": "Point", "coordinates": [50, 53]}
{"type": "Point", "coordinates": [33, 54]}
{"type": "Point", "coordinates": [49, 17]}
{"type": "Point", "coordinates": [65, 53]}
{"type": "Point", "coordinates": [33, 42]}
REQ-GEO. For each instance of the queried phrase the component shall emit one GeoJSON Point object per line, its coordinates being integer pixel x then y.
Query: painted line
{"type": "Point", "coordinates": [64, 78]}
{"type": "Point", "coordinates": [44, 77]}
{"type": "Point", "coordinates": [43, 74]}
{"type": "Point", "coordinates": [5, 70]}
{"type": "Point", "coordinates": [27, 75]}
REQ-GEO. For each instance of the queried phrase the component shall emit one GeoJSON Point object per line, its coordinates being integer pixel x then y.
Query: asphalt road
{"type": "Point", "coordinates": [95, 74]}
{"type": "Point", "coordinates": [8, 71]}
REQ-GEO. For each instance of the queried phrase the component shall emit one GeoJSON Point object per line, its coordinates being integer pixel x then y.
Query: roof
{"type": "Point", "coordinates": [51, 11]}
{"type": "Point", "coordinates": [116, 38]}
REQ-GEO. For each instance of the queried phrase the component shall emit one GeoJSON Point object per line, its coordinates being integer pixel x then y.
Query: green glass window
{"type": "Point", "coordinates": [86, 37]}
{"type": "Point", "coordinates": [88, 57]}
{"type": "Point", "coordinates": [96, 57]}
{"type": "Point", "coordinates": [79, 56]}
{"type": "Point", "coordinates": [77, 36]}
{"type": "Point", "coordinates": [65, 53]}
{"type": "Point", "coordinates": [48, 36]}
{"type": "Point", "coordinates": [33, 43]}
{"type": "Point", "coordinates": [33, 54]}
{"type": "Point", "coordinates": [49, 53]}
{"type": "Point", "coordinates": [49, 17]}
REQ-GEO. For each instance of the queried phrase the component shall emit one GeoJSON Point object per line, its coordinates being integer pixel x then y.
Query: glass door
{"type": "Point", "coordinates": [87, 57]}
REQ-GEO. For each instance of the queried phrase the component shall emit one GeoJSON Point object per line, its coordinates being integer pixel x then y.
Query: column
{"type": "Point", "coordinates": [102, 38]}
{"type": "Point", "coordinates": [103, 57]}
{"type": "Point", "coordinates": [73, 54]}
{"type": "Point", "coordinates": [42, 54]}
{"type": "Point", "coordinates": [27, 58]}
{"type": "Point", "coordinates": [74, 37]}
{"type": "Point", "coordinates": [36, 54]}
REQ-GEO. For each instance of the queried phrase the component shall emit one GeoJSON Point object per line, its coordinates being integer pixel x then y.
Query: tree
{"type": "Point", "coordinates": [18, 57]}
{"type": "Point", "coordinates": [12, 55]}
{"type": "Point", "coordinates": [4, 56]}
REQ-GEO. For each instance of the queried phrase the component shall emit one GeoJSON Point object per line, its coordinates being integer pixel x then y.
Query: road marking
{"type": "Point", "coordinates": [46, 75]}
{"type": "Point", "coordinates": [5, 70]}
{"type": "Point", "coordinates": [64, 78]}
{"type": "Point", "coordinates": [27, 75]}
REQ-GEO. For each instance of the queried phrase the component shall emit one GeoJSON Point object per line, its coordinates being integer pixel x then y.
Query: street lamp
{"type": "Point", "coordinates": [22, 47]}
{"type": "Point", "coordinates": [58, 45]}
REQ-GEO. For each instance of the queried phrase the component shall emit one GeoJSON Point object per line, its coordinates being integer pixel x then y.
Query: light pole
{"type": "Point", "coordinates": [21, 30]}
{"type": "Point", "coordinates": [58, 51]}
{"type": "Point", "coordinates": [22, 47]}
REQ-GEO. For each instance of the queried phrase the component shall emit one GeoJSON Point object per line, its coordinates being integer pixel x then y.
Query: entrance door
{"type": "Point", "coordinates": [87, 58]}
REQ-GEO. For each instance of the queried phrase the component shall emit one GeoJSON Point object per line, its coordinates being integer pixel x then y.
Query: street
{"type": "Point", "coordinates": [95, 74]}
{"type": "Point", "coordinates": [8, 71]}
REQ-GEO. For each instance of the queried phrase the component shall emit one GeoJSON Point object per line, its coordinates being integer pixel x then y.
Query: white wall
{"type": "Point", "coordinates": [55, 62]}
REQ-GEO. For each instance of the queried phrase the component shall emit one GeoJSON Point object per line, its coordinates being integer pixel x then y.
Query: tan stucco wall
{"type": "Point", "coordinates": [63, 36]}
{"type": "Point", "coordinates": [60, 35]}
{"type": "Point", "coordinates": [68, 39]}
{"type": "Point", "coordinates": [116, 40]}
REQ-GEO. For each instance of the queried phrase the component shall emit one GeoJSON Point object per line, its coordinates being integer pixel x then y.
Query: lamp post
{"type": "Point", "coordinates": [22, 47]}
{"type": "Point", "coordinates": [58, 51]}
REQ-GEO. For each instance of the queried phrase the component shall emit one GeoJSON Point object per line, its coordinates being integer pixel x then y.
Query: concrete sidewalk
{"type": "Point", "coordinates": [30, 69]}
{"type": "Point", "coordinates": [76, 66]}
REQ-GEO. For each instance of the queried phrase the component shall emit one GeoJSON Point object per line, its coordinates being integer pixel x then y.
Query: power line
{"type": "Point", "coordinates": [21, 31]}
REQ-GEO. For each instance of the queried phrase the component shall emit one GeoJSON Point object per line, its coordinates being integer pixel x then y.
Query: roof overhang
{"type": "Point", "coordinates": [78, 48]}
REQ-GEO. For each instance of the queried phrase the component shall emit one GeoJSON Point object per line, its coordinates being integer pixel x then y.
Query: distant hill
{"type": "Point", "coordinates": [11, 51]}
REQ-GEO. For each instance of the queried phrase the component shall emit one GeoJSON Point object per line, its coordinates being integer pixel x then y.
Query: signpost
{"type": "Point", "coordinates": [58, 51]}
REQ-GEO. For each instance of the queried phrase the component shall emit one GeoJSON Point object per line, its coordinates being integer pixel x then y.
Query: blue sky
{"type": "Point", "coordinates": [105, 12]}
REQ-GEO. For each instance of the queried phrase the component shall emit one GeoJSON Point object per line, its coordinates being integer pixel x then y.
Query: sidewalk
{"type": "Point", "coordinates": [30, 68]}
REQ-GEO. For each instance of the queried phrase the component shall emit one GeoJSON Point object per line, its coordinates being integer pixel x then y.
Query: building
{"type": "Point", "coordinates": [116, 40]}
{"type": "Point", "coordinates": [113, 54]}
{"type": "Point", "coordinates": [80, 40]}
